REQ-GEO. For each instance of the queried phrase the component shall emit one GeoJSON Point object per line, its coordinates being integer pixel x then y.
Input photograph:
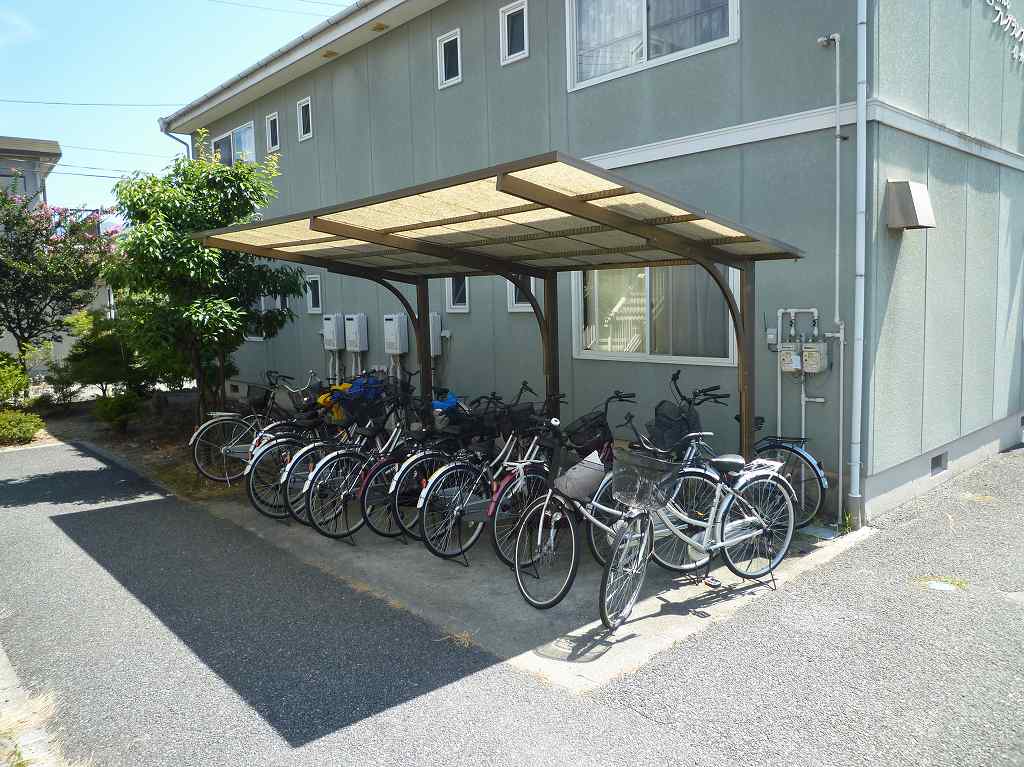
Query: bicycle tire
{"type": "Point", "coordinates": [375, 502]}
{"type": "Point", "coordinates": [532, 551]}
{"type": "Point", "coordinates": [263, 475]}
{"type": "Point", "coordinates": [332, 494]}
{"type": "Point", "coordinates": [296, 473]}
{"type": "Point", "coordinates": [772, 498]}
{"type": "Point", "coordinates": [507, 508]}
{"type": "Point", "coordinates": [694, 496]}
{"type": "Point", "coordinates": [599, 541]}
{"type": "Point", "coordinates": [803, 476]}
{"type": "Point", "coordinates": [409, 482]}
{"type": "Point", "coordinates": [626, 570]}
{"type": "Point", "coordinates": [441, 509]}
{"type": "Point", "coordinates": [206, 444]}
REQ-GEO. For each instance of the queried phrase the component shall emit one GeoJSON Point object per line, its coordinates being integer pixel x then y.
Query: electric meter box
{"type": "Point", "coordinates": [435, 334]}
{"type": "Point", "coordinates": [815, 356]}
{"type": "Point", "coordinates": [396, 334]}
{"type": "Point", "coordinates": [356, 337]}
{"type": "Point", "coordinates": [789, 357]}
{"type": "Point", "coordinates": [334, 332]}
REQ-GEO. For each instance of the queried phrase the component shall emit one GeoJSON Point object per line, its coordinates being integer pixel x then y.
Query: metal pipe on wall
{"type": "Point", "coordinates": [857, 396]}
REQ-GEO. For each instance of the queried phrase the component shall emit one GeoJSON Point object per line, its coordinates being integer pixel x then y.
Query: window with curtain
{"type": "Point", "coordinates": [671, 312]}
{"type": "Point", "coordinates": [621, 35]}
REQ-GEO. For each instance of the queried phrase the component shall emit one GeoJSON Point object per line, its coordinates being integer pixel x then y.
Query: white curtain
{"type": "Point", "coordinates": [609, 36]}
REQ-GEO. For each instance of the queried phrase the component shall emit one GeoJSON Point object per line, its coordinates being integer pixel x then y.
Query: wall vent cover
{"type": "Point", "coordinates": [909, 205]}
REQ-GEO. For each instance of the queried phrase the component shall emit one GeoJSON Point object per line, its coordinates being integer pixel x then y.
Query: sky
{"type": "Point", "coordinates": [145, 52]}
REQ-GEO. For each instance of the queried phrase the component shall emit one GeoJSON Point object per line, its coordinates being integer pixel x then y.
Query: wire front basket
{"type": "Point", "coordinates": [641, 481]}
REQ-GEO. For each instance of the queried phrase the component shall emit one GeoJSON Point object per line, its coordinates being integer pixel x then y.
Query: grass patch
{"type": "Point", "coordinates": [185, 481]}
{"type": "Point", "coordinates": [958, 583]}
{"type": "Point", "coordinates": [16, 722]}
{"type": "Point", "coordinates": [462, 639]}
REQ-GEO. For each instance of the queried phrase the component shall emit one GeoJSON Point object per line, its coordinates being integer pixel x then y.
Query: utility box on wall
{"type": "Point", "coordinates": [356, 338]}
{"type": "Point", "coordinates": [396, 334]}
{"type": "Point", "coordinates": [334, 332]}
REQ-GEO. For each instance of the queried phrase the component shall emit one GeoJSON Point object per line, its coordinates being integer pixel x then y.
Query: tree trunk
{"type": "Point", "coordinates": [222, 386]}
{"type": "Point", "coordinates": [23, 346]}
{"type": "Point", "coordinates": [197, 371]}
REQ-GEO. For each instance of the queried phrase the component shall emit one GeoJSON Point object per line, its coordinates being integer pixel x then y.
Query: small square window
{"type": "Point", "coordinates": [273, 133]}
{"type": "Point", "coordinates": [449, 59]}
{"type": "Point", "coordinates": [517, 300]}
{"type": "Point", "coordinates": [313, 294]}
{"type": "Point", "coordinates": [304, 118]}
{"type": "Point", "coordinates": [457, 295]}
{"type": "Point", "coordinates": [514, 44]}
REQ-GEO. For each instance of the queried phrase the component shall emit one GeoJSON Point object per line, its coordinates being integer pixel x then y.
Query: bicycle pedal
{"type": "Point", "coordinates": [712, 582]}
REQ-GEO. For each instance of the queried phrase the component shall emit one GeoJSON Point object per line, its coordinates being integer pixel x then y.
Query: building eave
{"type": "Point", "coordinates": [347, 30]}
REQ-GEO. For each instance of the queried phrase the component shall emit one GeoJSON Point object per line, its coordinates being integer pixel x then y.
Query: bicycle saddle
{"type": "Point", "coordinates": [729, 463]}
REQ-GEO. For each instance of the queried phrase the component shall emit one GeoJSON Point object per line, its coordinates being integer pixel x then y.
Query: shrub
{"type": "Point", "coordinates": [118, 409]}
{"type": "Point", "coordinates": [13, 381]}
{"type": "Point", "coordinates": [17, 427]}
{"type": "Point", "coordinates": [62, 381]}
{"type": "Point", "coordinates": [43, 403]}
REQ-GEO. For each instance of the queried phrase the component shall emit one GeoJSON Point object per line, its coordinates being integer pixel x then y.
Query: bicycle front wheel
{"type": "Point", "coordinates": [627, 566]}
{"type": "Point", "coordinates": [510, 502]}
{"type": "Point", "coordinates": [295, 477]}
{"type": "Point", "coordinates": [412, 477]}
{"type": "Point", "coordinates": [598, 539]}
{"type": "Point", "coordinates": [376, 502]}
{"type": "Point", "coordinates": [694, 497]}
{"type": "Point", "coordinates": [331, 504]}
{"type": "Point", "coordinates": [803, 477]}
{"type": "Point", "coordinates": [547, 552]}
{"type": "Point", "coordinates": [757, 527]}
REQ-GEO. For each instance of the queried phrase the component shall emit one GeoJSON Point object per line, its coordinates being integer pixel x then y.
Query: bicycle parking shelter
{"type": "Point", "coordinates": [532, 218]}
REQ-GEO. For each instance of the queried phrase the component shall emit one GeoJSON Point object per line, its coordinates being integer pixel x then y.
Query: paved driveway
{"type": "Point", "coordinates": [172, 636]}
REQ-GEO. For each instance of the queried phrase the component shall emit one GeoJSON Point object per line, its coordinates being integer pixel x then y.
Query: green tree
{"type": "Point", "coordinates": [185, 305]}
{"type": "Point", "coordinates": [50, 259]}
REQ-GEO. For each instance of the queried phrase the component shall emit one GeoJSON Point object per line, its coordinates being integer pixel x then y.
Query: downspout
{"type": "Point", "coordinates": [839, 334]}
{"type": "Point", "coordinates": [166, 131]}
{"type": "Point", "coordinates": [856, 500]}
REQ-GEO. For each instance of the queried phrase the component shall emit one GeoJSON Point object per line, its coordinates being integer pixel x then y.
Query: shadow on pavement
{"type": "Point", "coordinates": [308, 653]}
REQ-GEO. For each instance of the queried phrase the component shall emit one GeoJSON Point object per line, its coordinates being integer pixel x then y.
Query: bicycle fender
{"type": "Point", "coordinates": [432, 480]}
{"type": "Point", "coordinates": [405, 465]}
{"type": "Point", "coordinates": [370, 471]}
{"type": "Point", "coordinates": [507, 480]}
{"type": "Point", "coordinates": [209, 422]}
{"type": "Point", "coordinates": [264, 448]}
{"type": "Point", "coordinates": [819, 471]}
{"type": "Point", "coordinates": [298, 456]}
{"type": "Point", "coordinates": [327, 459]}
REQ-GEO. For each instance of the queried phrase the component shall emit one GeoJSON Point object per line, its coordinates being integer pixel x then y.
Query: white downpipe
{"type": "Point", "coordinates": [857, 403]}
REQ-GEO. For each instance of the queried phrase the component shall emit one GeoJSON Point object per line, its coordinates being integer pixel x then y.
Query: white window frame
{"type": "Point", "coordinates": [503, 13]}
{"type": "Point", "coordinates": [263, 308]}
{"type": "Point", "coordinates": [456, 35]}
{"type": "Point", "coordinates": [578, 352]}
{"type": "Point", "coordinates": [570, 42]}
{"type": "Point", "coordinates": [111, 305]}
{"type": "Point", "coordinates": [231, 134]}
{"type": "Point", "coordinates": [273, 116]}
{"type": "Point", "coordinates": [310, 309]}
{"type": "Point", "coordinates": [450, 307]}
{"type": "Point", "coordinates": [511, 292]}
{"type": "Point", "coordinates": [308, 101]}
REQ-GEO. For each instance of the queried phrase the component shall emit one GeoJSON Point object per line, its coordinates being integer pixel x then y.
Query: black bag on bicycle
{"type": "Point", "coordinates": [671, 423]}
{"type": "Point", "coordinates": [588, 433]}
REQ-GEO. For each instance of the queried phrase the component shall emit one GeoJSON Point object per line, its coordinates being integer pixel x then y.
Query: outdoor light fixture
{"type": "Point", "coordinates": [909, 205]}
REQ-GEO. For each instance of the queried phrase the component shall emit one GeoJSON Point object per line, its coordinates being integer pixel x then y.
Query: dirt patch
{"type": "Point", "coordinates": [156, 443]}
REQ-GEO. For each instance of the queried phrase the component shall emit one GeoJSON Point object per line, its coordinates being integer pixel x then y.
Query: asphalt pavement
{"type": "Point", "coordinates": [171, 636]}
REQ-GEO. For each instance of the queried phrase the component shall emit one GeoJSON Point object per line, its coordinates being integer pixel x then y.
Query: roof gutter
{"type": "Point", "coordinates": [166, 131]}
{"type": "Point", "coordinates": [188, 111]}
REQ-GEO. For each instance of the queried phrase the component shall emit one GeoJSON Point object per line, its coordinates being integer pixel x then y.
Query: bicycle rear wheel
{"type": "Point", "coordinates": [263, 478]}
{"type": "Point", "coordinates": [803, 477]}
{"type": "Point", "coordinates": [626, 569]}
{"type": "Point", "coordinates": [547, 552]}
{"type": "Point", "coordinates": [761, 540]}
{"type": "Point", "coordinates": [220, 448]}
{"type": "Point", "coordinates": [599, 540]}
{"type": "Point", "coordinates": [695, 497]}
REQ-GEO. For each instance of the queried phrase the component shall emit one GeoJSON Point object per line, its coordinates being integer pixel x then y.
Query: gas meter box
{"type": "Point", "coordinates": [815, 357]}
{"type": "Point", "coordinates": [789, 357]}
{"type": "Point", "coordinates": [334, 332]}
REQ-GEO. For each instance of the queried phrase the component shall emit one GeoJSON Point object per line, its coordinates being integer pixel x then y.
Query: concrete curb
{"type": "Point", "coordinates": [33, 743]}
{"type": "Point", "coordinates": [123, 463]}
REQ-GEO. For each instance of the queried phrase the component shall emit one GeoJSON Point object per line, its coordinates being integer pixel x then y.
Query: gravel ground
{"type": "Point", "coordinates": [173, 637]}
